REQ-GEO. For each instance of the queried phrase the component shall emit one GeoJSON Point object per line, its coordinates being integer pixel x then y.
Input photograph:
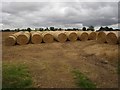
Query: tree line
{"type": "Point", "coordinates": [90, 28]}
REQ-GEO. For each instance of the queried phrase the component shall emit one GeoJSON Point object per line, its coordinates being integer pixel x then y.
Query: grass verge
{"type": "Point", "coordinates": [82, 81]}
{"type": "Point", "coordinates": [15, 76]}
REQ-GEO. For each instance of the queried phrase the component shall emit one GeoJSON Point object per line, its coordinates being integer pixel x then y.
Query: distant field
{"type": "Point", "coordinates": [51, 65]}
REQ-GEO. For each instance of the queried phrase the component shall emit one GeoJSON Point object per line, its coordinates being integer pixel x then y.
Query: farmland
{"type": "Point", "coordinates": [51, 65]}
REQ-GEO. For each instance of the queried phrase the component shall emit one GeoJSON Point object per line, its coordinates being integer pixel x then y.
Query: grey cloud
{"type": "Point", "coordinates": [44, 14]}
{"type": "Point", "coordinates": [17, 8]}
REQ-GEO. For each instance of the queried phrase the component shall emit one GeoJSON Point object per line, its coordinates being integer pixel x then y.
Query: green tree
{"type": "Point", "coordinates": [106, 28]}
{"type": "Point", "coordinates": [46, 29]}
{"type": "Point", "coordinates": [29, 29]}
{"type": "Point", "coordinates": [52, 28]}
{"type": "Point", "coordinates": [90, 28]}
{"type": "Point", "coordinates": [101, 28]}
{"type": "Point", "coordinates": [60, 29]}
{"type": "Point", "coordinates": [111, 29]}
{"type": "Point", "coordinates": [84, 28]}
{"type": "Point", "coordinates": [40, 29]}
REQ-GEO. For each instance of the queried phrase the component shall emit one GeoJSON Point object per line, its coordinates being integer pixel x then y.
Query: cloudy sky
{"type": "Point", "coordinates": [59, 14]}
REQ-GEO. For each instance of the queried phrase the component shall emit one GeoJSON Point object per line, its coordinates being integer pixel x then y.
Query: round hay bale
{"type": "Point", "coordinates": [32, 31]}
{"type": "Point", "coordinates": [26, 32]}
{"type": "Point", "coordinates": [47, 37]}
{"type": "Point", "coordinates": [10, 41]}
{"type": "Point", "coordinates": [111, 38]}
{"type": "Point", "coordinates": [36, 37]}
{"type": "Point", "coordinates": [72, 36]}
{"type": "Point", "coordinates": [101, 37]}
{"type": "Point", "coordinates": [60, 36]}
{"type": "Point", "coordinates": [23, 38]}
{"type": "Point", "coordinates": [16, 34]}
{"type": "Point", "coordinates": [92, 35]}
{"type": "Point", "coordinates": [83, 36]}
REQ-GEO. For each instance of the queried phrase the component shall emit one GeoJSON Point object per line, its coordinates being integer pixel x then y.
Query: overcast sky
{"type": "Point", "coordinates": [59, 14]}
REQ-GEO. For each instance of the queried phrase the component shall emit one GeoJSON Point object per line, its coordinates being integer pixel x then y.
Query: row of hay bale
{"type": "Point", "coordinates": [112, 37]}
{"type": "Point", "coordinates": [37, 37]}
{"type": "Point", "coordinates": [19, 38]}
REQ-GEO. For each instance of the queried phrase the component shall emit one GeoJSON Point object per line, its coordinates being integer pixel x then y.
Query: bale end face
{"type": "Point", "coordinates": [62, 37]}
{"type": "Point", "coordinates": [72, 37]}
{"type": "Point", "coordinates": [101, 37]}
{"type": "Point", "coordinates": [10, 41]}
{"type": "Point", "coordinates": [111, 38]}
{"type": "Point", "coordinates": [84, 36]}
{"type": "Point", "coordinates": [36, 39]}
{"type": "Point", "coordinates": [92, 36]}
{"type": "Point", "coordinates": [22, 39]}
{"type": "Point", "coordinates": [48, 38]}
